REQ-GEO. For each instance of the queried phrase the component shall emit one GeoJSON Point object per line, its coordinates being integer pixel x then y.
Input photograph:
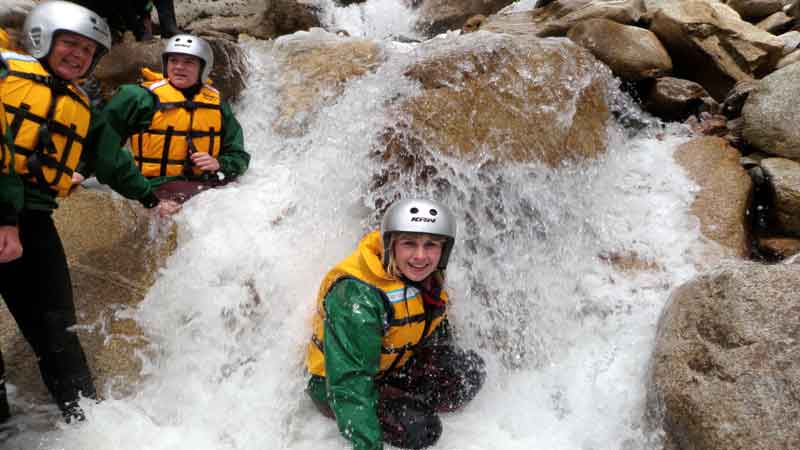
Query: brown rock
{"type": "Point", "coordinates": [632, 53]}
{"type": "Point", "coordinates": [725, 372]}
{"type": "Point", "coordinates": [676, 99]}
{"type": "Point", "coordinates": [314, 69]}
{"type": "Point", "coordinates": [770, 113]}
{"type": "Point", "coordinates": [557, 17]}
{"type": "Point", "coordinates": [524, 99]}
{"type": "Point", "coordinates": [438, 16]}
{"type": "Point", "coordinates": [709, 44]}
{"type": "Point", "coordinates": [724, 194]}
{"type": "Point", "coordinates": [285, 17]}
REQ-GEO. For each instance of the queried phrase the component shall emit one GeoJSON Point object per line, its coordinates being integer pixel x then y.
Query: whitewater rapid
{"type": "Point", "coordinates": [566, 335]}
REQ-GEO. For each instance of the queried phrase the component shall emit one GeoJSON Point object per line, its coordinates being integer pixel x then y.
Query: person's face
{"type": "Point", "coordinates": [416, 257]}
{"type": "Point", "coordinates": [183, 71]}
{"type": "Point", "coordinates": [71, 55]}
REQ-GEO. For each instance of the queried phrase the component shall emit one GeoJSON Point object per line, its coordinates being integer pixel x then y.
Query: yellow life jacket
{"type": "Point", "coordinates": [179, 128]}
{"type": "Point", "coordinates": [407, 323]}
{"type": "Point", "coordinates": [45, 119]}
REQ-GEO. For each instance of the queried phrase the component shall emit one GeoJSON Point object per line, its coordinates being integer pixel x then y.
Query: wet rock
{"type": "Point", "coordinates": [124, 62]}
{"type": "Point", "coordinates": [725, 189]}
{"type": "Point", "coordinates": [556, 18]}
{"type": "Point", "coordinates": [111, 267]}
{"type": "Point", "coordinates": [784, 178]}
{"type": "Point", "coordinates": [632, 53]}
{"type": "Point", "coordinates": [438, 16]}
{"type": "Point", "coordinates": [508, 98]}
{"type": "Point", "coordinates": [711, 45]}
{"type": "Point", "coordinates": [315, 66]}
{"type": "Point", "coordinates": [676, 99]}
{"type": "Point", "coordinates": [628, 261]}
{"type": "Point", "coordinates": [770, 113]}
{"type": "Point", "coordinates": [724, 372]}
{"type": "Point", "coordinates": [286, 17]}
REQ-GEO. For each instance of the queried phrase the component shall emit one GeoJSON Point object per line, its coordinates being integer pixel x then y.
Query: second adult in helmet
{"type": "Point", "coordinates": [47, 20]}
{"type": "Point", "coordinates": [419, 216]}
{"type": "Point", "coordinates": [187, 44]}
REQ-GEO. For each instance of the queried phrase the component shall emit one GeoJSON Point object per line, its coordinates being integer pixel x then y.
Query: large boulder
{"type": "Point", "coordinates": [508, 98]}
{"type": "Point", "coordinates": [770, 113]}
{"type": "Point", "coordinates": [437, 16]}
{"type": "Point", "coordinates": [632, 53]}
{"type": "Point", "coordinates": [556, 18]}
{"type": "Point", "coordinates": [124, 62]}
{"type": "Point", "coordinates": [314, 69]}
{"type": "Point", "coordinates": [711, 45]}
{"type": "Point", "coordinates": [725, 371]}
{"type": "Point", "coordinates": [114, 250]}
{"type": "Point", "coordinates": [725, 188]}
{"type": "Point", "coordinates": [264, 19]}
{"type": "Point", "coordinates": [676, 99]}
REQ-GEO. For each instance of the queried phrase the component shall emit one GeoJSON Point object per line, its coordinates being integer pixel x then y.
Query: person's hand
{"type": "Point", "coordinates": [77, 178]}
{"type": "Point", "coordinates": [205, 162]}
{"type": "Point", "coordinates": [167, 208]}
{"type": "Point", "coordinates": [10, 245]}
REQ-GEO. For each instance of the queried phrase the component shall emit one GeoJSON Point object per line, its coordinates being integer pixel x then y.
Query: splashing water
{"type": "Point", "coordinates": [566, 334]}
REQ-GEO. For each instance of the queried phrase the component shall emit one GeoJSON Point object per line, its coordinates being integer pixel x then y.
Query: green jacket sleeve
{"type": "Point", "coordinates": [104, 155]}
{"type": "Point", "coordinates": [233, 159]}
{"type": "Point", "coordinates": [353, 333]}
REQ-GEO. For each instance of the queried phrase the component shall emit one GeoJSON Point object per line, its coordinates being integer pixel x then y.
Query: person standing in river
{"type": "Point", "coordinates": [382, 359]}
{"type": "Point", "coordinates": [46, 128]}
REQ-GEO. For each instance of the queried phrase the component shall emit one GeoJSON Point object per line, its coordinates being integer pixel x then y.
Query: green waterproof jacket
{"type": "Point", "coordinates": [132, 108]}
{"type": "Point", "coordinates": [352, 348]}
{"type": "Point", "coordinates": [102, 153]}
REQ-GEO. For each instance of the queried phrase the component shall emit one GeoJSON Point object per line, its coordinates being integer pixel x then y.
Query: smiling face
{"type": "Point", "coordinates": [417, 256]}
{"type": "Point", "coordinates": [71, 55]}
{"type": "Point", "coordinates": [183, 71]}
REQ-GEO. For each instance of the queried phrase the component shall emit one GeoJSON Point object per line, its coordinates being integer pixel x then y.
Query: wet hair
{"type": "Point", "coordinates": [391, 267]}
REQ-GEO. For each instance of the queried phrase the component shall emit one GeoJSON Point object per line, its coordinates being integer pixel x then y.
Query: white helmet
{"type": "Point", "coordinates": [186, 44]}
{"type": "Point", "coordinates": [51, 17]}
{"type": "Point", "coordinates": [419, 216]}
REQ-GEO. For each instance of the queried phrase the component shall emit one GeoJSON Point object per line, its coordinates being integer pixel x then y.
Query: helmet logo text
{"type": "Point", "coordinates": [423, 219]}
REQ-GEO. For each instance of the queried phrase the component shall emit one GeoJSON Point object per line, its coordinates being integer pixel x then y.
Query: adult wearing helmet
{"type": "Point", "coordinates": [381, 358]}
{"type": "Point", "coordinates": [46, 127]}
{"type": "Point", "coordinates": [183, 136]}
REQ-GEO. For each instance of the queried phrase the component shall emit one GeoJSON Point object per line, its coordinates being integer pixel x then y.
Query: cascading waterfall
{"type": "Point", "coordinates": [566, 334]}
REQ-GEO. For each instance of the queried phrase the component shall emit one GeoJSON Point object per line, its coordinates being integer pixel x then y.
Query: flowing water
{"type": "Point", "coordinates": [566, 334]}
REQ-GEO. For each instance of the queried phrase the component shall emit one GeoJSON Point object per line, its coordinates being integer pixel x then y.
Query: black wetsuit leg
{"type": "Point", "coordinates": [38, 292]}
{"type": "Point", "coordinates": [438, 378]}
